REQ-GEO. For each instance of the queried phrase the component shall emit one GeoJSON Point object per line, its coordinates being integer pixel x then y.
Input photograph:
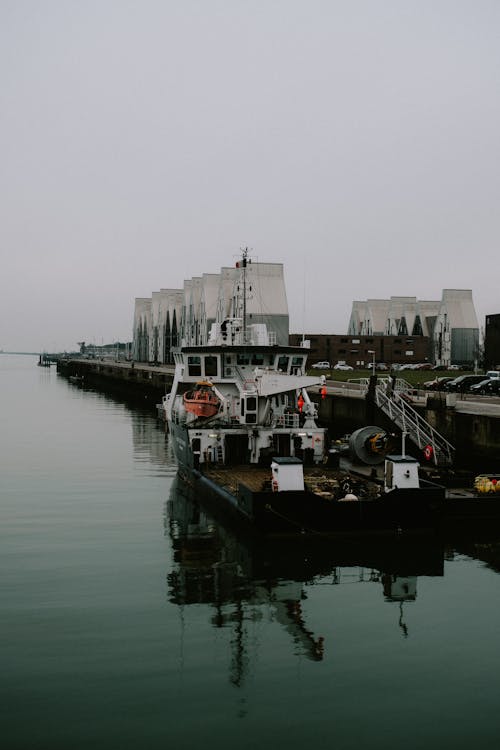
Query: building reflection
{"type": "Point", "coordinates": [236, 573]}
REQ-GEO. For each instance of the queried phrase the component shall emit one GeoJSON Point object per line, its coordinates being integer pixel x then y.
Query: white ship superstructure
{"type": "Point", "coordinates": [257, 388]}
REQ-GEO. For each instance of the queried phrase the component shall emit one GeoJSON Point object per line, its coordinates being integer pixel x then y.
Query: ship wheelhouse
{"type": "Point", "coordinates": [220, 363]}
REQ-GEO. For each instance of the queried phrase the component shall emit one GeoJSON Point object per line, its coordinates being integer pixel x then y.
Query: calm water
{"type": "Point", "coordinates": [130, 619]}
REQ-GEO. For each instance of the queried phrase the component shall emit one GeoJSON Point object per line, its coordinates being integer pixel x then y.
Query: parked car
{"type": "Point", "coordinates": [437, 384]}
{"type": "Point", "coordinates": [493, 374]}
{"type": "Point", "coordinates": [338, 366]}
{"type": "Point", "coordinates": [321, 366]}
{"type": "Point", "coordinates": [487, 387]}
{"type": "Point", "coordinates": [492, 387]}
{"type": "Point", "coordinates": [462, 383]}
{"type": "Point", "coordinates": [480, 387]}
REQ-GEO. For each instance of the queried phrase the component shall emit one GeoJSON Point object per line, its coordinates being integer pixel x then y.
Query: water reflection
{"type": "Point", "coordinates": [148, 436]}
{"type": "Point", "coordinates": [242, 577]}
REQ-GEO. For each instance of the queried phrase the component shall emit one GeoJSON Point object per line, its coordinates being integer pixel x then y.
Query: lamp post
{"type": "Point", "coordinates": [371, 351]}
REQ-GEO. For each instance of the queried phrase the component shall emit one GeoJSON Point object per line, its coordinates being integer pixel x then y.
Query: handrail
{"type": "Point", "coordinates": [418, 429]}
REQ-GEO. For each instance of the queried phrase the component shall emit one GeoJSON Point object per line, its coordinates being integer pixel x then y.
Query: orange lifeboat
{"type": "Point", "coordinates": [202, 401]}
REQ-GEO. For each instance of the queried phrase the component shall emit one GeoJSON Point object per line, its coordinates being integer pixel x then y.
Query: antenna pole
{"type": "Point", "coordinates": [245, 255]}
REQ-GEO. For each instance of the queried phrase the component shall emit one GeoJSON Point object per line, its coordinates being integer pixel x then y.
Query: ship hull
{"type": "Point", "coordinates": [292, 513]}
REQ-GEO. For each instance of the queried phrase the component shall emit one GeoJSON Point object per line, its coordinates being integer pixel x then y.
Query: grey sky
{"type": "Point", "coordinates": [146, 141]}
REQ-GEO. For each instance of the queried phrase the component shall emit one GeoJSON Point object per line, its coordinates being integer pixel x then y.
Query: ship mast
{"type": "Point", "coordinates": [245, 256]}
{"type": "Point", "coordinates": [243, 266]}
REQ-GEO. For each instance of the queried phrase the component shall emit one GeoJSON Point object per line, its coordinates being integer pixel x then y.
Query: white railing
{"type": "Point", "coordinates": [288, 420]}
{"type": "Point", "coordinates": [423, 434]}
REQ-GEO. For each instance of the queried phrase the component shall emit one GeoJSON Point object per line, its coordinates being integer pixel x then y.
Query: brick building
{"type": "Point", "coordinates": [357, 351]}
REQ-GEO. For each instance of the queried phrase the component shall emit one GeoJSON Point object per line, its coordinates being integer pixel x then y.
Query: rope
{"type": "Point", "coordinates": [303, 529]}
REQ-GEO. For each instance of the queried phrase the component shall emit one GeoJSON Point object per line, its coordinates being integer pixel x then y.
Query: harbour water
{"type": "Point", "coordinates": [131, 619]}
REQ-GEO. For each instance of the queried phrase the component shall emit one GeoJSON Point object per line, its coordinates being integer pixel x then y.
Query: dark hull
{"type": "Point", "coordinates": [425, 509]}
{"type": "Point", "coordinates": [413, 511]}
{"type": "Point", "coordinates": [294, 558]}
{"type": "Point", "coordinates": [471, 509]}
{"type": "Point", "coordinates": [180, 444]}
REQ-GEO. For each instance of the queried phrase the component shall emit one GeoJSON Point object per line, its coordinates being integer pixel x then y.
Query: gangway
{"type": "Point", "coordinates": [395, 406]}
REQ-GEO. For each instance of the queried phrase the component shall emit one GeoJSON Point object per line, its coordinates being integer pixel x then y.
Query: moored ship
{"type": "Point", "coordinates": [244, 430]}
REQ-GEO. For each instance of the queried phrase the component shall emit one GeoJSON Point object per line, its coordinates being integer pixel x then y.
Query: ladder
{"type": "Point", "coordinates": [422, 434]}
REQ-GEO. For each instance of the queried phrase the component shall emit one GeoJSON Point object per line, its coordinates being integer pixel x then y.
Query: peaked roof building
{"type": "Point", "coordinates": [174, 316]}
{"type": "Point", "coordinates": [450, 323]}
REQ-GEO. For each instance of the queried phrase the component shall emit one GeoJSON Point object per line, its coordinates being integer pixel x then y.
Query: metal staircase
{"type": "Point", "coordinates": [436, 448]}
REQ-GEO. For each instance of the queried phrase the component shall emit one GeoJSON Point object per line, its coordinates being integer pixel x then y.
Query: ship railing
{"type": "Point", "coordinates": [287, 421]}
{"type": "Point", "coordinates": [258, 338]}
{"type": "Point", "coordinates": [236, 334]}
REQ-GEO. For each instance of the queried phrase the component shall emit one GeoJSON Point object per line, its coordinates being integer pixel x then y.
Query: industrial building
{"type": "Point", "coordinates": [450, 324]}
{"type": "Point", "coordinates": [396, 330]}
{"type": "Point", "coordinates": [171, 317]}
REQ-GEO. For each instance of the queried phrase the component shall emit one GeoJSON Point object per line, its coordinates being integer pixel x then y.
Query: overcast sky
{"type": "Point", "coordinates": [146, 141]}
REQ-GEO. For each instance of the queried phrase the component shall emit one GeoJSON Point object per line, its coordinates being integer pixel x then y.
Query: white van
{"type": "Point", "coordinates": [492, 374]}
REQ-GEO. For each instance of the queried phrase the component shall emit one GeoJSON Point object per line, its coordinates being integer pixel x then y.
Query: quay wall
{"type": "Point", "coordinates": [141, 383]}
{"type": "Point", "coordinates": [475, 436]}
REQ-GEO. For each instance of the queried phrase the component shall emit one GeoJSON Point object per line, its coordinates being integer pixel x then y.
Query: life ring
{"type": "Point", "coordinates": [428, 452]}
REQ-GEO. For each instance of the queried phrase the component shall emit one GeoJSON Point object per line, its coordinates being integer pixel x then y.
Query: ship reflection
{"type": "Point", "coordinates": [236, 572]}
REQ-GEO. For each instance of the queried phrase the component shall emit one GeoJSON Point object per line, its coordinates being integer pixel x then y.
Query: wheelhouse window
{"type": "Point", "coordinates": [211, 366]}
{"type": "Point", "coordinates": [258, 359]}
{"type": "Point", "coordinates": [297, 365]}
{"type": "Point", "coordinates": [283, 363]}
{"type": "Point", "coordinates": [194, 366]}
